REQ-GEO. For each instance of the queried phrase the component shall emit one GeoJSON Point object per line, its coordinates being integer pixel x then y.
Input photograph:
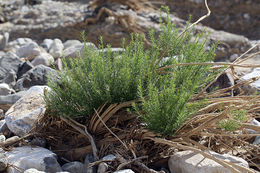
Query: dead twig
{"type": "Point", "coordinates": [85, 133]}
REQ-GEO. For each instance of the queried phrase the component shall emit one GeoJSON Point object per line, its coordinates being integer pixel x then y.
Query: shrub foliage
{"type": "Point", "coordinates": [151, 75]}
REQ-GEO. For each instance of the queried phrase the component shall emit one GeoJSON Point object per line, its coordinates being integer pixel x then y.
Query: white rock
{"type": "Point", "coordinates": [4, 40]}
{"type": "Point", "coordinates": [254, 74]}
{"type": "Point", "coordinates": [5, 89]}
{"type": "Point", "coordinates": [2, 138]}
{"type": "Point", "coordinates": [70, 43]}
{"type": "Point", "coordinates": [110, 157]}
{"type": "Point", "coordinates": [56, 48]}
{"type": "Point", "coordinates": [32, 170]}
{"type": "Point", "coordinates": [125, 171]}
{"type": "Point", "coordinates": [44, 58]}
{"type": "Point", "coordinates": [46, 44]}
{"type": "Point", "coordinates": [77, 50]}
{"type": "Point", "coordinates": [29, 50]}
{"type": "Point", "coordinates": [189, 161]}
{"type": "Point", "coordinates": [21, 117]}
{"type": "Point", "coordinates": [27, 157]}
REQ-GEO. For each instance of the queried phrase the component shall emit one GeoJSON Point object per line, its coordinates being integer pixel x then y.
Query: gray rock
{"type": "Point", "coordinates": [27, 157]}
{"type": "Point", "coordinates": [89, 159]}
{"type": "Point", "coordinates": [23, 68]}
{"type": "Point", "coordinates": [36, 76]}
{"type": "Point", "coordinates": [2, 138]}
{"type": "Point", "coordinates": [5, 89]}
{"type": "Point", "coordinates": [56, 48]}
{"type": "Point", "coordinates": [40, 142]}
{"type": "Point", "coordinates": [71, 43]}
{"type": "Point", "coordinates": [44, 59]}
{"type": "Point", "coordinates": [32, 170]}
{"type": "Point", "coordinates": [10, 78]}
{"type": "Point", "coordinates": [20, 118]}
{"type": "Point", "coordinates": [102, 168]}
{"type": "Point", "coordinates": [7, 101]}
{"type": "Point", "coordinates": [46, 44]}
{"type": "Point", "coordinates": [125, 171]}
{"type": "Point", "coordinates": [4, 40]}
{"type": "Point", "coordinates": [29, 50]}
{"type": "Point", "coordinates": [189, 161]}
{"type": "Point", "coordinates": [3, 128]}
{"type": "Point", "coordinates": [75, 167]}
{"type": "Point", "coordinates": [8, 62]}
{"type": "Point", "coordinates": [3, 162]}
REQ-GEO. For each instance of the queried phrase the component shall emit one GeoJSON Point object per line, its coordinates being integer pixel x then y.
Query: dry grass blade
{"type": "Point", "coordinates": [112, 132]}
{"type": "Point", "coordinates": [85, 133]}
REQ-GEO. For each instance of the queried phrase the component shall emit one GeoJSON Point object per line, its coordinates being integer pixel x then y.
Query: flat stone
{"type": "Point", "coordinates": [75, 167]}
{"type": "Point", "coordinates": [189, 161]}
{"type": "Point", "coordinates": [27, 157]}
{"type": "Point", "coordinates": [20, 118]}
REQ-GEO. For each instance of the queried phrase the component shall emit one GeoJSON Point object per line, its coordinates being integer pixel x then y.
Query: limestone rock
{"type": "Point", "coordinates": [30, 50]}
{"type": "Point", "coordinates": [56, 48]}
{"type": "Point", "coordinates": [21, 117]}
{"type": "Point", "coordinates": [44, 59]}
{"type": "Point", "coordinates": [5, 89]}
{"type": "Point", "coordinates": [78, 50]}
{"type": "Point", "coordinates": [27, 157]}
{"type": "Point", "coordinates": [70, 43]}
{"type": "Point", "coordinates": [189, 161]}
{"type": "Point", "coordinates": [46, 44]}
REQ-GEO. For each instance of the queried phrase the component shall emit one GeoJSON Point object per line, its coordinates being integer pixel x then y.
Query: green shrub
{"type": "Point", "coordinates": [88, 82]}
{"type": "Point", "coordinates": [233, 123]}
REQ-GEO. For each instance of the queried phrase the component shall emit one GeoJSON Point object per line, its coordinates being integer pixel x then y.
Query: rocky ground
{"type": "Point", "coordinates": [36, 34]}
